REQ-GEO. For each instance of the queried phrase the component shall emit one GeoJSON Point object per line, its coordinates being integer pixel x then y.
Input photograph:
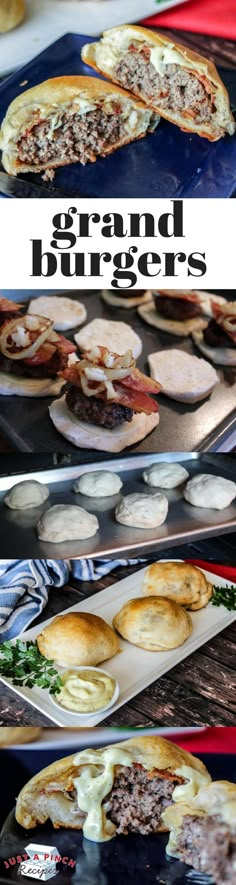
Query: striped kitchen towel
{"type": "Point", "coordinates": [24, 585]}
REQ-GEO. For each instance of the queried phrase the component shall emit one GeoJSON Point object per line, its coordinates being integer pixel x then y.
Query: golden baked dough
{"type": "Point", "coordinates": [179, 581]}
{"type": "Point", "coordinates": [113, 47]}
{"type": "Point", "coordinates": [78, 638]}
{"type": "Point", "coordinates": [11, 14]}
{"type": "Point", "coordinates": [18, 735]}
{"type": "Point", "coordinates": [154, 623]}
{"type": "Point", "coordinates": [38, 802]}
{"type": "Point", "coordinates": [217, 798]}
{"type": "Point", "coordinates": [51, 100]}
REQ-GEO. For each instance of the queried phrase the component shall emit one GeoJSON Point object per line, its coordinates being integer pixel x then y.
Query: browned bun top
{"type": "Point", "coordinates": [78, 638]}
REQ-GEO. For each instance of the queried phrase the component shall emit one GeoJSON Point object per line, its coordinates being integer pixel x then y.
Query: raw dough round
{"type": "Point", "coordinates": [89, 436]}
{"type": "Point", "coordinates": [183, 377]}
{"type": "Point", "coordinates": [126, 303]}
{"type": "Point", "coordinates": [98, 484]}
{"type": "Point", "coordinates": [221, 356]}
{"type": "Point", "coordinates": [165, 474]}
{"type": "Point", "coordinates": [118, 337]}
{"type": "Point", "coordinates": [66, 522]}
{"type": "Point", "coordinates": [65, 312]}
{"type": "Point", "coordinates": [142, 511]}
{"type": "Point", "coordinates": [13, 385]}
{"type": "Point", "coordinates": [180, 581]}
{"type": "Point", "coordinates": [154, 623]}
{"type": "Point", "coordinates": [78, 638]}
{"type": "Point", "coordinates": [26, 494]}
{"type": "Point", "coordinates": [206, 490]}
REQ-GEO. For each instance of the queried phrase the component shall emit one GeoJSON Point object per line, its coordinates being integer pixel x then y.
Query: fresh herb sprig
{"type": "Point", "coordinates": [225, 596]}
{"type": "Point", "coordinates": [24, 664]}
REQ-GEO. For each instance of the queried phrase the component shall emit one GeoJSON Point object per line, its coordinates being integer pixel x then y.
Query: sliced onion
{"type": "Point", "coordinates": [97, 373]}
{"type": "Point", "coordinates": [89, 391]}
{"type": "Point", "coordinates": [38, 332]}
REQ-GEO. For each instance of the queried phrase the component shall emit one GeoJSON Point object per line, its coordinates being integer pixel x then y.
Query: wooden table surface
{"type": "Point", "coordinates": [199, 691]}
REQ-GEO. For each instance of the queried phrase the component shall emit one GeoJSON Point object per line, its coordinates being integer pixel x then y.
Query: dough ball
{"type": "Point", "coordinates": [118, 337]}
{"type": "Point", "coordinates": [183, 377]}
{"type": "Point", "coordinates": [165, 474]}
{"type": "Point", "coordinates": [65, 313]}
{"type": "Point", "coordinates": [206, 490]}
{"type": "Point", "coordinates": [78, 638]}
{"type": "Point", "coordinates": [66, 522]}
{"type": "Point", "coordinates": [154, 623]}
{"type": "Point", "coordinates": [98, 484]}
{"type": "Point", "coordinates": [179, 581]}
{"type": "Point", "coordinates": [26, 494]}
{"type": "Point", "coordinates": [142, 511]}
{"type": "Point", "coordinates": [18, 735]}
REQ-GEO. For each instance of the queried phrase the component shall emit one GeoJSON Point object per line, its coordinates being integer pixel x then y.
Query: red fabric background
{"type": "Point", "coordinates": [212, 17]}
{"type": "Point", "coordinates": [212, 740]}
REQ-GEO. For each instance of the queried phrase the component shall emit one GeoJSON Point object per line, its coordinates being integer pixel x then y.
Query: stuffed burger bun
{"type": "Point", "coordinates": [218, 340]}
{"type": "Point", "coordinates": [119, 789]}
{"type": "Point", "coordinates": [31, 353]}
{"type": "Point", "coordinates": [107, 404]}
{"type": "Point", "coordinates": [179, 312]}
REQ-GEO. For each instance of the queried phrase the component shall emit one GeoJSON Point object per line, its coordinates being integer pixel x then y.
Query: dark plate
{"type": "Point", "coordinates": [168, 163]}
{"type": "Point", "coordinates": [182, 428]}
{"type": "Point", "coordinates": [133, 859]}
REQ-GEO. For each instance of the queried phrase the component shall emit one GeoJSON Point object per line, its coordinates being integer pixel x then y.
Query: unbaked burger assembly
{"type": "Point", "coordinates": [218, 340]}
{"type": "Point", "coordinates": [107, 404]}
{"type": "Point", "coordinates": [31, 353]}
{"type": "Point", "coordinates": [118, 789]}
{"type": "Point", "coordinates": [179, 312]}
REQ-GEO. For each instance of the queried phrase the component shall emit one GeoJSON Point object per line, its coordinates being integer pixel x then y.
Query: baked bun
{"type": "Point", "coordinates": [18, 735]}
{"type": "Point", "coordinates": [208, 490]}
{"type": "Point", "coordinates": [89, 436]}
{"type": "Point", "coordinates": [165, 474]}
{"type": "Point", "coordinates": [51, 102]}
{"type": "Point", "coordinates": [154, 623]}
{"type": "Point", "coordinates": [11, 14]}
{"type": "Point", "coordinates": [26, 495]}
{"type": "Point", "coordinates": [202, 831]}
{"type": "Point", "coordinates": [179, 581]}
{"type": "Point", "coordinates": [118, 55]}
{"type": "Point", "coordinates": [136, 765]}
{"type": "Point", "coordinates": [78, 638]}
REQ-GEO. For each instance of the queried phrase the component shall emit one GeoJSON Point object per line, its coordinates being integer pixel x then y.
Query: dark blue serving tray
{"type": "Point", "coordinates": [137, 860]}
{"type": "Point", "coordinates": [168, 163]}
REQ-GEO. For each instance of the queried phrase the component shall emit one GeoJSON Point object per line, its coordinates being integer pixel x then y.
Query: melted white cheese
{"type": "Point", "coordinates": [195, 781]}
{"type": "Point", "coordinates": [161, 56]}
{"type": "Point", "coordinates": [93, 786]}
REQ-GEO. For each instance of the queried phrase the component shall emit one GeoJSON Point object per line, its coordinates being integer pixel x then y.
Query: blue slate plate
{"type": "Point", "coordinates": [133, 859]}
{"type": "Point", "coordinates": [168, 163]}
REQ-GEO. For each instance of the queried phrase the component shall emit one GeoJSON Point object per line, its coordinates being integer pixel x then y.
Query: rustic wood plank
{"type": "Point", "coordinates": [222, 52]}
{"type": "Point", "coordinates": [169, 703]}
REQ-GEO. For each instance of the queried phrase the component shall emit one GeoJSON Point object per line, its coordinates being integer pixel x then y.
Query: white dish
{"type": "Point", "coordinates": [57, 738]}
{"type": "Point", "coordinates": [134, 669]}
{"type": "Point", "coordinates": [84, 716]}
{"type": "Point", "coordinates": [47, 20]}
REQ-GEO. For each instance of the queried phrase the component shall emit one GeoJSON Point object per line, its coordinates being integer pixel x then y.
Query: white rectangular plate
{"type": "Point", "coordinates": [47, 20]}
{"type": "Point", "coordinates": [59, 738]}
{"type": "Point", "coordinates": [133, 668]}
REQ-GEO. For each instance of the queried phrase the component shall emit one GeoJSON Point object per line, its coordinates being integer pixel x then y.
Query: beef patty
{"type": "Point", "coordinates": [216, 336]}
{"type": "Point", "coordinates": [80, 137]}
{"type": "Point", "coordinates": [137, 800]}
{"type": "Point", "coordinates": [208, 844]}
{"type": "Point", "coordinates": [57, 363]}
{"type": "Point", "coordinates": [95, 411]}
{"type": "Point", "coordinates": [176, 308]}
{"type": "Point", "coordinates": [177, 90]}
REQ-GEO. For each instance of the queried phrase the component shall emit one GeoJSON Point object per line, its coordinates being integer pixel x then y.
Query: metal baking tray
{"type": "Point", "coordinates": [209, 425]}
{"type": "Point", "coordinates": [184, 523]}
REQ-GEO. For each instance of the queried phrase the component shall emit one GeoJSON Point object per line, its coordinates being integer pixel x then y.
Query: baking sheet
{"type": "Point", "coordinates": [134, 668]}
{"type": "Point", "coordinates": [56, 17]}
{"type": "Point", "coordinates": [207, 425]}
{"type": "Point", "coordinates": [168, 163]}
{"type": "Point", "coordinates": [184, 522]}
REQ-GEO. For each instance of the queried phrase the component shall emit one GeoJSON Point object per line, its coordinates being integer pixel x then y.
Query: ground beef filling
{"type": "Point", "coordinates": [207, 844]}
{"type": "Point", "coordinates": [216, 337]}
{"type": "Point", "coordinates": [137, 800]}
{"type": "Point", "coordinates": [177, 308]}
{"type": "Point", "coordinates": [80, 137]}
{"type": "Point", "coordinates": [57, 363]}
{"type": "Point", "coordinates": [95, 411]}
{"type": "Point", "coordinates": [177, 90]}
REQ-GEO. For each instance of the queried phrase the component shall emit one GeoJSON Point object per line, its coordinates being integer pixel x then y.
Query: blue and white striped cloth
{"type": "Point", "coordinates": [24, 585]}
